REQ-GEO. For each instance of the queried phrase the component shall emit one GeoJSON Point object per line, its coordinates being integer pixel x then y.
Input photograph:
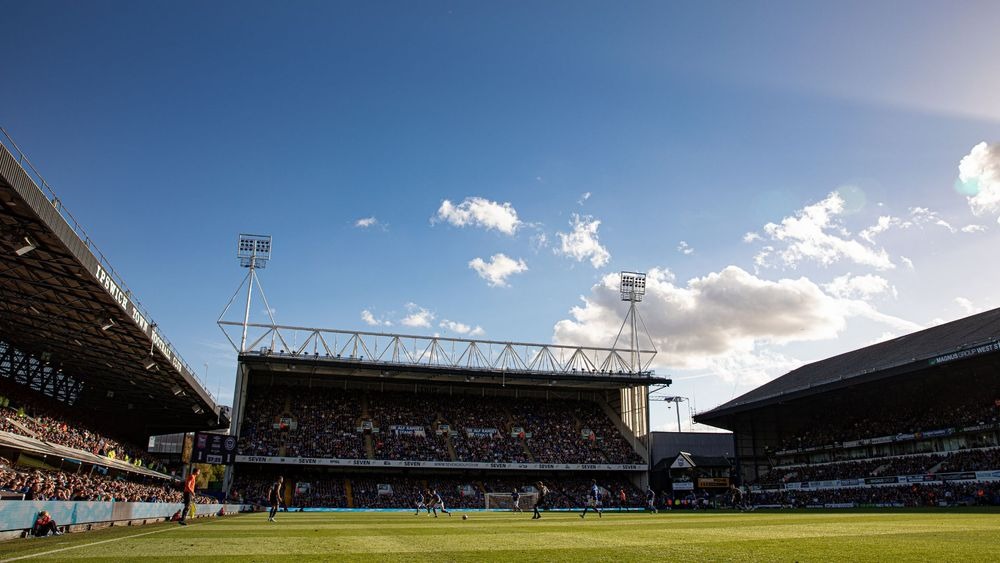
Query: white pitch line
{"type": "Point", "coordinates": [50, 552]}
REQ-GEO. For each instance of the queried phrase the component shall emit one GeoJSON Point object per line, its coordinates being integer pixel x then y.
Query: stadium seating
{"type": "Point", "coordinates": [821, 431]}
{"type": "Point", "coordinates": [301, 422]}
{"type": "Point", "coordinates": [948, 494]}
{"type": "Point", "coordinates": [37, 484]}
{"type": "Point", "coordinates": [38, 416]}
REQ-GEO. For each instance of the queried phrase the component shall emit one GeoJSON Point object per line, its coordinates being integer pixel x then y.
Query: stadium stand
{"type": "Point", "coordinates": [318, 423]}
{"type": "Point", "coordinates": [32, 414]}
{"type": "Point", "coordinates": [37, 484]}
{"type": "Point", "coordinates": [901, 422]}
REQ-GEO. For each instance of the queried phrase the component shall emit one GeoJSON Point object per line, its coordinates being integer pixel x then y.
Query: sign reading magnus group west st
{"type": "Point", "coordinates": [319, 461]}
{"type": "Point", "coordinates": [966, 353]}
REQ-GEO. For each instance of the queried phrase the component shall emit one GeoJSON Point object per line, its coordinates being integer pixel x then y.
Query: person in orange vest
{"type": "Point", "coordinates": [188, 495]}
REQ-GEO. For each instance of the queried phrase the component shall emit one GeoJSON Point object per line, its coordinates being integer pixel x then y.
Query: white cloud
{"type": "Point", "coordinates": [539, 241]}
{"type": "Point", "coordinates": [858, 287]}
{"type": "Point", "coordinates": [717, 317]}
{"type": "Point", "coordinates": [480, 212]}
{"type": "Point", "coordinates": [684, 248]}
{"type": "Point", "coordinates": [750, 368]}
{"type": "Point", "coordinates": [583, 198]}
{"type": "Point", "coordinates": [369, 318]}
{"type": "Point", "coordinates": [884, 223]}
{"type": "Point", "coordinates": [751, 237]}
{"type": "Point", "coordinates": [462, 328]}
{"type": "Point", "coordinates": [417, 317]}
{"type": "Point", "coordinates": [498, 269]}
{"type": "Point", "coordinates": [906, 262]}
{"type": "Point", "coordinates": [973, 228]}
{"type": "Point", "coordinates": [816, 233]}
{"type": "Point", "coordinates": [366, 222]}
{"type": "Point", "coordinates": [583, 243]}
{"type": "Point", "coordinates": [967, 306]}
{"type": "Point", "coordinates": [979, 177]}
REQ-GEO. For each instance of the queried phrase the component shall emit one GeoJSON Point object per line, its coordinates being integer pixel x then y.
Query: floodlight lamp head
{"type": "Point", "coordinates": [633, 286]}
{"type": "Point", "coordinates": [254, 251]}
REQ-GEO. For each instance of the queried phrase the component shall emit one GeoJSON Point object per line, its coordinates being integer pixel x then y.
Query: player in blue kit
{"type": "Point", "coordinates": [437, 503]}
{"type": "Point", "coordinates": [421, 504]}
{"type": "Point", "coordinates": [593, 500]}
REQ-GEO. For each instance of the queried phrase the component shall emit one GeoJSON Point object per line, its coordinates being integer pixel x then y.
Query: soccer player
{"type": "Point", "coordinates": [421, 504]}
{"type": "Point", "coordinates": [543, 492]}
{"type": "Point", "coordinates": [515, 499]}
{"type": "Point", "coordinates": [188, 495]}
{"type": "Point", "coordinates": [593, 500]}
{"type": "Point", "coordinates": [622, 499]}
{"type": "Point", "coordinates": [737, 497]}
{"type": "Point", "coordinates": [274, 496]}
{"type": "Point", "coordinates": [651, 500]}
{"type": "Point", "coordinates": [437, 503]}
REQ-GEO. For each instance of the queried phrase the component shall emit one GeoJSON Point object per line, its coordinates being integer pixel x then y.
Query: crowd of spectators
{"type": "Point", "coordinates": [961, 460]}
{"type": "Point", "coordinates": [37, 484]}
{"type": "Point", "coordinates": [407, 409]}
{"type": "Point", "coordinates": [329, 492]}
{"type": "Point", "coordinates": [43, 418]}
{"type": "Point", "coordinates": [950, 494]}
{"type": "Point", "coordinates": [918, 417]}
{"type": "Point", "coordinates": [971, 460]}
{"type": "Point", "coordinates": [302, 422]}
{"type": "Point", "coordinates": [471, 412]}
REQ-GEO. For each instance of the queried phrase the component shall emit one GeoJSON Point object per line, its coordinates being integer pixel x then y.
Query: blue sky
{"type": "Point", "coordinates": [168, 128]}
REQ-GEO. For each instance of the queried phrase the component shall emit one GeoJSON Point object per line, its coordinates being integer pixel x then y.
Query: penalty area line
{"type": "Point", "coordinates": [91, 544]}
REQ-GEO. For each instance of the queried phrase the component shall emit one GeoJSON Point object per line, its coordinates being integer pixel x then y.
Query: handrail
{"type": "Point", "coordinates": [41, 184]}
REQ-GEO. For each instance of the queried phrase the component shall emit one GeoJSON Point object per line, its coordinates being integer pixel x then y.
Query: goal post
{"type": "Point", "coordinates": [503, 501]}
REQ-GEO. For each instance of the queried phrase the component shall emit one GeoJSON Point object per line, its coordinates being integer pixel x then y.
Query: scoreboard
{"type": "Point", "coordinates": [218, 449]}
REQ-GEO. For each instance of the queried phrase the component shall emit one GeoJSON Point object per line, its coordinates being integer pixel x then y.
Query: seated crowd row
{"type": "Point", "coordinates": [36, 416]}
{"type": "Point", "coordinates": [947, 494]}
{"type": "Point", "coordinates": [36, 484]}
{"type": "Point", "coordinates": [331, 423]}
{"type": "Point", "coordinates": [916, 418]}
{"type": "Point", "coordinates": [962, 460]}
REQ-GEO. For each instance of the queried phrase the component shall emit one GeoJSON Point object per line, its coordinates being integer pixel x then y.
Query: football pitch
{"type": "Point", "coordinates": [952, 535]}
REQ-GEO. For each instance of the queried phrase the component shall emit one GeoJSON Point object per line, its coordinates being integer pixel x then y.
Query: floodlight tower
{"type": "Point", "coordinates": [253, 251]}
{"type": "Point", "coordinates": [633, 288]}
{"type": "Point", "coordinates": [677, 402]}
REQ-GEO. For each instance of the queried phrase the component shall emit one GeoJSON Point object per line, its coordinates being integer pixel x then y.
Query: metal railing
{"type": "Point", "coordinates": [436, 351]}
{"type": "Point", "coordinates": [36, 177]}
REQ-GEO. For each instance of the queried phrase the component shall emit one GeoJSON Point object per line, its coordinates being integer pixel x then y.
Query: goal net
{"type": "Point", "coordinates": [503, 501]}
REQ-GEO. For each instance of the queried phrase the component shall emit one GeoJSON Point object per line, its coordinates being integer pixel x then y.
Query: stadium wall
{"type": "Point", "coordinates": [19, 515]}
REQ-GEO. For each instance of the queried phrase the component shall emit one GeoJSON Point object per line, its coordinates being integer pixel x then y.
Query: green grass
{"type": "Point", "coordinates": [939, 535]}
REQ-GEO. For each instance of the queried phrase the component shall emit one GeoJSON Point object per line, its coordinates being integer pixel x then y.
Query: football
{"type": "Point", "coordinates": [465, 517]}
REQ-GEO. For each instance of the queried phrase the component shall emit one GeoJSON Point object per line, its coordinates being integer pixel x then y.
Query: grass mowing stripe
{"type": "Point", "coordinates": [67, 548]}
{"type": "Point", "coordinates": [171, 526]}
{"type": "Point", "coordinates": [965, 535]}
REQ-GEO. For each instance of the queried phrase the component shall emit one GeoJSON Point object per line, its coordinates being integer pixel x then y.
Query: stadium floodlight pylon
{"type": "Point", "coordinates": [632, 289]}
{"type": "Point", "coordinates": [253, 252]}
